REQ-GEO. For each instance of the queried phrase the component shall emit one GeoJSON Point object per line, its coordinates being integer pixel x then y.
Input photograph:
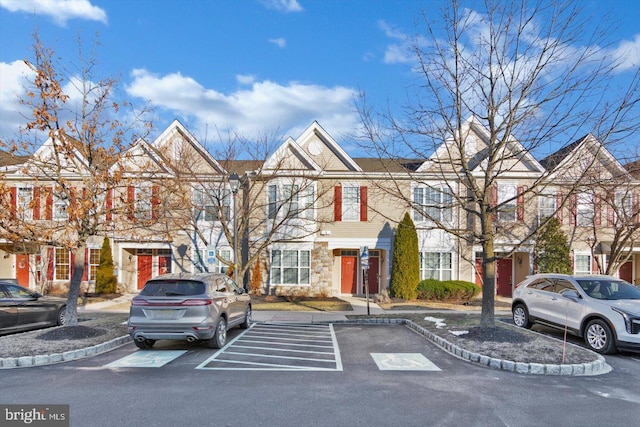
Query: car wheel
{"type": "Point", "coordinates": [61, 315]}
{"type": "Point", "coordinates": [247, 319]}
{"type": "Point", "coordinates": [521, 316]}
{"type": "Point", "coordinates": [599, 337]}
{"type": "Point", "coordinates": [146, 344]}
{"type": "Point", "coordinates": [220, 335]}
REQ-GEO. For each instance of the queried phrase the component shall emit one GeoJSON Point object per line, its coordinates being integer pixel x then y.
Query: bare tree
{"type": "Point", "coordinates": [509, 69]}
{"type": "Point", "coordinates": [70, 178]}
{"type": "Point", "coordinates": [274, 202]}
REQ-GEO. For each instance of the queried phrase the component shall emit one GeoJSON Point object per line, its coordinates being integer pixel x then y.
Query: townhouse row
{"type": "Point", "coordinates": [307, 212]}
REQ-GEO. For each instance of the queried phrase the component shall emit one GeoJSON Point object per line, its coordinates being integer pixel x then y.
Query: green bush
{"type": "Point", "coordinates": [450, 290]}
{"type": "Point", "coordinates": [106, 281]}
{"type": "Point", "coordinates": [405, 266]}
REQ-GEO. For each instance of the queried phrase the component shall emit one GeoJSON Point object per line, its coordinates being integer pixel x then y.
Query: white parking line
{"type": "Point", "coordinates": [263, 345]}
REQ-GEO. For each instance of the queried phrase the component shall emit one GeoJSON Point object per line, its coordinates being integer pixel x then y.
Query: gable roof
{"type": "Point", "coordinates": [475, 142]}
{"type": "Point", "coordinates": [165, 140]}
{"type": "Point", "coordinates": [569, 155]}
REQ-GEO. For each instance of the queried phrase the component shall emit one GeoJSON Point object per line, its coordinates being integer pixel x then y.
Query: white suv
{"type": "Point", "coordinates": [602, 309]}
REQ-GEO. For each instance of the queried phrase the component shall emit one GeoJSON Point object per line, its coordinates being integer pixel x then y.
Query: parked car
{"type": "Point", "coordinates": [22, 309]}
{"type": "Point", "coordinates": [190, 307]}
{"type": "Point", "coordinates": [605, 311]}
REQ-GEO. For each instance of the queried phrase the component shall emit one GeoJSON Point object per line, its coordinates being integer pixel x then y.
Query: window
{"type": "Point", "coordinates": [211, 263]}
{"type": "Point", "coordinates": [25, 197]}
{"type": "Point", "coordinates": [143, 206]}
{"type": "Point", "coordinates": [582, 264]}
{"type": "Point", "coordinates": [93, 263]}
{"type": "Point", "coordinates": [546, 206]}
{"type": "Point", "coordinates": [62, 264]}
{"type": "Point", "coordinates": [435, 265]}
{"type": "Point", "coordinates": [351, 203]}
{"type": "Point", "coordinates": [294, 201]}
{"type": "Point", "coordinates": [433, 204]}
{"type": "Point", "coordinates": [584, 210]}
{"type": "Point", "coordinates": [211, 204]}
{"type": "Point", "coordinates": [290, 267]}
{"type": "Point", "coordinates": [60, 204]}
{"type": "Point", "coordinates": [507, 202]}
{"type": "Point", "coordinates": [623, 205]}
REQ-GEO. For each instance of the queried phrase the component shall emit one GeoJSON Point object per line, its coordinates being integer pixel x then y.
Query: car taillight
{"type": "Point", "coordinates": [191, 302]}
{"type": "Point", "coordinates": [139, 302]}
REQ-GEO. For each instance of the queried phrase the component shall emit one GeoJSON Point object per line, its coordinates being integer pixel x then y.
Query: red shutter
{"type": "Point", "coordinates": [493, 201]}
{"type": "Point", "coordinates": [363, 204]}
{"type": "Point", "coordinates": [48, 210]}
{"type": "Point", "coordinates": [337, 203]}
{"type": "Point", "coordinates": [36, 203]}
{"type": "Point", "coordinates": [611, 214]}
{"type": "Point", "coordinates": [520, 204]}
{"type": "Point", "coordinates": [50, 263]}
{"type": "Point", "coordinates": [559, 201]}
{"type": "Point", "coordinates": [85, 273]}
{"type": "Point", "coordinates": [108, 201]}
{"type": "Point", "coordinates": [155, 201]}
{"type": "Point", "coordinates": [597, 210]}
{"type": "Point", "coordinates": [573, 209]}
{"type": "Point", "coordinates": [14, 200]}
{"type": "Point", "coordinates": [131, 194]}
{"type": "Point", "coordinates": [594, 265]}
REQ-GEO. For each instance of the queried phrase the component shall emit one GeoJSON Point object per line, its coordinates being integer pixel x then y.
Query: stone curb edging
{"type": "Point", "coordinates": [49, 359]}
{"type": "Point", "coordinates": [597, 367]}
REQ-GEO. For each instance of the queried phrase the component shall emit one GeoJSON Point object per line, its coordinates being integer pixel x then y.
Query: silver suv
{"type": "Point", "coordinates": [191, 307]}
{"type": "Point", "coordinates": [602, 309]}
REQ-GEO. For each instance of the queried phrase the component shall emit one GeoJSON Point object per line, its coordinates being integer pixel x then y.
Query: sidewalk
{"type": "Point", "coordinates": [358, 304]}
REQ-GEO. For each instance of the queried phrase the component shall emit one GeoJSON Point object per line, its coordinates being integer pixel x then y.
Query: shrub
{"type": "Point", "coordinates": [405, 267]}
{"type": "Point", "coordinates": [450, 290]}
{"type": "Point", "coordinates": [106, 281]}
{"type": "Point", "coordinates": [255, 285]}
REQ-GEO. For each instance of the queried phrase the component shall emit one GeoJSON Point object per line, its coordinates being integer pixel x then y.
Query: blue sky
{"type": "Point", "coordinates": [255, 66]}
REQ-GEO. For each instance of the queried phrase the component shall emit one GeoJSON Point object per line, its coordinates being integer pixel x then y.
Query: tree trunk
{"type": "Point", "coordinates": [487, 318]}
{"type": "Point", "coordinates": [71, 317]}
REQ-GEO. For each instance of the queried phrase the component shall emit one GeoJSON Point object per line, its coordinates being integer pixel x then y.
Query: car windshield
{"type": "Point", "coordinates": [167, 288]}
{"type": "Point", "coordinates": [609, 289]}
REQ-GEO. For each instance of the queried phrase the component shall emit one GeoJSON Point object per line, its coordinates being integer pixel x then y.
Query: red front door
{"type": "Point", "coordinates": [144, 269]}
{"type": "Point", "coordinates": [22, 269]}
{"type": "Point", "coordinates": [626, 272]}
{"type": "Point", "coordinates": [373, 274]}
{"type": "Point", "coordinates": [504, 277]}
{"type": "Point", "coordinates": [348, 274]}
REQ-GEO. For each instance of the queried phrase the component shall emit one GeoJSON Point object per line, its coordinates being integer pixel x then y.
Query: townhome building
{"type": "Point", "coordinates": [308, 211]}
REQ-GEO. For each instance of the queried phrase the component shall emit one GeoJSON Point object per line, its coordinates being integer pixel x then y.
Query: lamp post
{"type": "Point", "coordinates": [234, 183]}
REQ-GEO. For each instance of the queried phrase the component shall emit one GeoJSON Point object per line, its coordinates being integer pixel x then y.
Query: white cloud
{"type": "Point", "coordinates": [396, 53]}
{"type": "Point", "coordinates": [245, 79]}
{"type": "Point", "coordinates": [285, 6]}
{"type": "Point", "coordinates": [14, 76]}
{"type": "Point", "coordinates": [629, 54]}
{"type": "Point", "coordinates": [59, 10]}
{"type": "Point", "coordinates": [280, 42]}
{"type": "Point", "coordinates": [263, 108]}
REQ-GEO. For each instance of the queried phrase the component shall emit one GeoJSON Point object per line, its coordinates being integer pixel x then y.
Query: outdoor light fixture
{"type": "Point", "coordinates": [234, 183]}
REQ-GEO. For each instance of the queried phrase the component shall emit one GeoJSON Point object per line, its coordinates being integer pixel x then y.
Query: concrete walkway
{"type": "Point", "coordinates": [359, 306]}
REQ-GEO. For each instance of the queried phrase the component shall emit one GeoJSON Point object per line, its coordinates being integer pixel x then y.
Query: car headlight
{"type": "Point", "coordinates": [631, 321]}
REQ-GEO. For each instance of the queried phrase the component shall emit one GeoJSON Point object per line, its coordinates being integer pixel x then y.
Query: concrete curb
{"type": "Point", "coordinates": [49, 359]}
{"type": "Point", "coordinates": [597, 367]}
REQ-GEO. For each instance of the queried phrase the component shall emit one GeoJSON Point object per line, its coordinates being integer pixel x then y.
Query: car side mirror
{"type": "Point", "coordinates": [36, 295]}
{"type": "Point", "coordinates": [571, 294]}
